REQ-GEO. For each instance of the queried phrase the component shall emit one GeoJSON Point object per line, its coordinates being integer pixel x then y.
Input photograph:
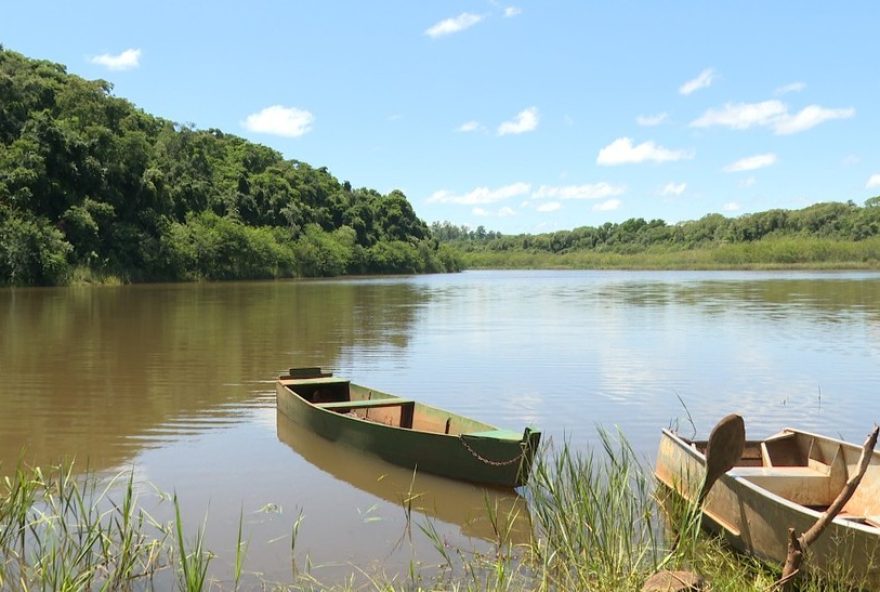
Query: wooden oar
{"type": "Point", "coordinates": [726, 444]}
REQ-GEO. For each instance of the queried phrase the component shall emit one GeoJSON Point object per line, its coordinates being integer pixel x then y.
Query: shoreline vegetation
{"type": "Point", "coordinates": [822, 236]}
{"type": "Point", "coordinates": [598, 523]}
{"type": "Point", "coordinates": [94, 190]}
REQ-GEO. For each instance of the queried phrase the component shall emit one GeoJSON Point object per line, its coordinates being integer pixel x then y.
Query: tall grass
{"type": "Point", "coordinates": [595, 517]}
{"type": "Point", "coordinates": [61, 533]}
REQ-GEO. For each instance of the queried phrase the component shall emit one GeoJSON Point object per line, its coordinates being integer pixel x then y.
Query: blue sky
{"type": "Point", "coordinates": [522, 116]}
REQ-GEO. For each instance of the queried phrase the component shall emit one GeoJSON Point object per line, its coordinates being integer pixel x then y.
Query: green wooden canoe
{"type": "Point", "coordinates": [404, 432]}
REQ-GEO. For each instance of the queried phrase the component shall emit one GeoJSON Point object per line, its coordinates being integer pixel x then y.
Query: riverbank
{"type": "Point", "coordinates": [595, 519]}
{"type": "Point", "coordinates": [778, 253]}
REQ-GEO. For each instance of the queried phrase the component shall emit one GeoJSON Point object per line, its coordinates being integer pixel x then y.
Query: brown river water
{"type": "Point", "coordinates": [175, 383]}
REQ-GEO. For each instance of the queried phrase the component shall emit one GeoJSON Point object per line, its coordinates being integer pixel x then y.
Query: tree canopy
{"type": "Point", "coordinates": [829, 220]}
{"type": "Point", "coordinates": [88, 180]}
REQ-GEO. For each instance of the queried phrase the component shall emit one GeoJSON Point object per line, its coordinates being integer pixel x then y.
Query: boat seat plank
{"type": "Point", "coordinates": [365, 404]}
{"type": "Point", "coordinates": [312, 381]}
{"type": "Point", "coordinates": [800, 472]}
{"type": "Point", "coordinates": [497, 435]}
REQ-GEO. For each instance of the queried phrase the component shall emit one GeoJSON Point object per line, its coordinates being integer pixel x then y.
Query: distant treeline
{"type": "Point", "coordinates": [90, 184]}
{"type": "Point", "coordinates": [821, 233]}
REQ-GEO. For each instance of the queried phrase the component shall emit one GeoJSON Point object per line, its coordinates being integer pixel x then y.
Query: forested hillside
{"type": "Point", "coordinates": [91, 185]}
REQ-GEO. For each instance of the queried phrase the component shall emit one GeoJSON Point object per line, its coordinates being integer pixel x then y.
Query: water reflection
{"type": "Point", "coordinates": [176, 381]}
{"type": "Point", "coordinates": [462, 504]}
{"type": "Point", "coordinates": [100, 373]}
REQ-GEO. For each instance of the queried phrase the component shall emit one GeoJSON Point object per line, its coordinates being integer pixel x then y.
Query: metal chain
{"type": "Point", "coordinates": [494, 463]}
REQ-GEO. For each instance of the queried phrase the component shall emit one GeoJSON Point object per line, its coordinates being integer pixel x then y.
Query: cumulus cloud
{"type": "Point", "coordinates": [773, 114]}
{"type": "Point", "coordinates": [525, 121]}
{"type": "Point", "coordinates": [748, 182]}
{"type": "Point", "coordinates": [506, 212]}
{"type": "Point", "coordinates": [127, 60]}
{"type": "Point", "coordinates": [751, 163]}
{"type": "Point", "coordinates": [809, 117]}
{"type": "Point", "coordinates": [622, 151]}
{"type": "Point", "coordinates": [481, 195]}
{"type": "Point", "coordinates": [704, 79]}
{"type": "Point", "coordinates": [453, 25]}
{"type": "Point", "coordinates": [652, 120]}
{"type": "Point", "coordinates": [607, 206]}
{"type": "Point", "coordinates": [873, 182]}
{"type": "Point", "coordinates": [790, 88]}
{"type": "Point", "coordinates": [512, 11]}
{"type": "Point", "coordinates": [469, 126]}
{"type": "Point", "coordinates": [550, 206]}
{"type": "Point", "coordinates": [731, 206]}
{"type": "Point", "coordinates": [742, 115]}
{"type": "Point", "coordinates": [586, 191]}
{"type": "Point", "coordinates": [278, 120]}
{"type": "Point", "coordinates": [479, 212]}
{"type": "Point", "coordinates": [674, 189]}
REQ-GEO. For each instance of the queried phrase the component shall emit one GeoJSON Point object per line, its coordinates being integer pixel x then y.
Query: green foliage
{"type": "Point", "coordinates": [31, 251]}
{"type": "Point", "coordinates": [126, 194]}
{"type": "Point", "coordinates": [824, 234]}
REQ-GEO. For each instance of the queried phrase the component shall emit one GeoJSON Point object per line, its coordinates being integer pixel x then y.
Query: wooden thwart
{"type": "Point", "coordinates": [337, 405]}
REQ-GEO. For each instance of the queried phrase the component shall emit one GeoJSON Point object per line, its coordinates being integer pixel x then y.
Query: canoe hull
{"type": "Point", "coordinates": [755, 520]}
{"type": "Point", "coordinates": [501, 462]}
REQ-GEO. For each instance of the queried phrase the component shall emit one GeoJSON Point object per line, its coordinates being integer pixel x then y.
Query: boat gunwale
{"type": "Point", "coordinates": [286, 384]}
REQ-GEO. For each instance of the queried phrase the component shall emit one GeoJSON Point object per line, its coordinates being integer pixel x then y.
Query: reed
{"type": "Point", "coordinates": [60, 532]}
{"type": "Point", "coordinates": [597, 523]}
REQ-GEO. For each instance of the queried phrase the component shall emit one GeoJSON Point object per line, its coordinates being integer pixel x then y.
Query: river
{"type": "Point", "coordinates": [175, 383]}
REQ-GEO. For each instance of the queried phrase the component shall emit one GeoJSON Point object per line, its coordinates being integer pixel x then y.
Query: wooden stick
{"type": "Point", "coordinates": [797, 545]}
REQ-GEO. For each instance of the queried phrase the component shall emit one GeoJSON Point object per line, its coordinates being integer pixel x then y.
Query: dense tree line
{"type": "Point", "coordinates": [88, 181]}
{"type": "Point", "coordinates": [832, 220]}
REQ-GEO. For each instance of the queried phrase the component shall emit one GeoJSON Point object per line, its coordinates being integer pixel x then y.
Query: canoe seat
{"type": "Point", "coordinates": [802, 485]}
{"type": "Point", "coordinates": [802, 472]}
{"type": "Point", "coordinates": [341, 405]}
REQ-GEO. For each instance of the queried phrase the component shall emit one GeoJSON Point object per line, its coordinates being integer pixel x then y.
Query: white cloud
{"type": "Point", "coordinates": [127, 60]}
{"type": "Point", "coordinates": [748, 182]}
{"type": "Point", "coordinates": [512, 11]}
{"type": "Point", "coordinates": [481, 195]}
{"type": "Point", "coordinates": [607, 206]}
{"type": "Point", "coordinates": [453, 25]}
{"type": "Point", "coordinates": [674, 189]}
{"type": "Point", "coordinates": [278, 120]}
{"type": "Point", "coordinates": [469, 126]}
{"type": "Point", "coordinates": [525, 121]}
{"type": "Point", "coordinates": [586, 191]}
{"type": "Point", "coordinates": [742, 115]}
{"type": "Point", "coordinates": [506, 212]}
{"type": "Point", "coordinates": [550, 206]}
{"type": "Point", "coordinates": [479, 212]}
{"type": "Point", "coordinates": [704, 79]}
{"type": "Point", "coordinates": [809, 117]}
{"type": "Point", "coordinates": [751, 163]}
{"type": "Point", "coordinates": [652, 120]}
{"type": "Point", "coordinates": [772, 113]}
{"type": "Point", "coordinates": [622, 151]}
{"type": "Point", "coordinates": [790, 88]}
{"type": "Point", "coordinates": [731, 206]}
{"type": "Point", "coordinates": [873, 182]}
